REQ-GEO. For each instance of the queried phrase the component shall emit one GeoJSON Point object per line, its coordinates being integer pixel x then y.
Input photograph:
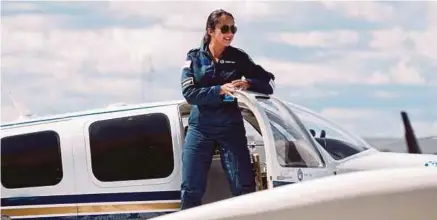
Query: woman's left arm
{"type": "Point", "coordinates": [259, 79]}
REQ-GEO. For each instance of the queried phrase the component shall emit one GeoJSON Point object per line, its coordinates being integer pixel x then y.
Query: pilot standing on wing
{"type": "Point", "coordinates": [210, 74]}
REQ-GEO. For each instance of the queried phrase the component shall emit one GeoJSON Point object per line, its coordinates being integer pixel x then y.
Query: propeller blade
{"type": "Point", "coordinates": [410, 138]}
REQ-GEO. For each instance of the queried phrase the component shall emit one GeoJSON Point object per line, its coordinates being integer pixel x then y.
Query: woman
{"type": "Point", "coordinates": [212, 72]}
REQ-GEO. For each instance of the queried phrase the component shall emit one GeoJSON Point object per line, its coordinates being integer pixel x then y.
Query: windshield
{"type": "Point", "coordinates": [338, 142]}
{"type": "Point", "coordinates": [293, 148]}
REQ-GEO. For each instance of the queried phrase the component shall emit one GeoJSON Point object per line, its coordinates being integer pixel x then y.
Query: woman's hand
{"type": "Point", "coordinates": [227, 88]}
{"type": "Point", "coordinates": [241, 84]}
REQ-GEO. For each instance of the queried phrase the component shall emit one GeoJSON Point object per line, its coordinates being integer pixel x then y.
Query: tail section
{"type": "Point", "coordinates": [410, 138]}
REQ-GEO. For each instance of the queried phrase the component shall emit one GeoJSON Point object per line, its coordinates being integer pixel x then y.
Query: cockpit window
{"type": "Point", "coordinates": [338, 142]}
{"type": "Point", "coordinates": [292, 147]}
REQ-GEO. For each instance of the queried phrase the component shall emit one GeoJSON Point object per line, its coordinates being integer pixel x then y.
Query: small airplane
{"type": "Point", "coordinates": [123, 161]}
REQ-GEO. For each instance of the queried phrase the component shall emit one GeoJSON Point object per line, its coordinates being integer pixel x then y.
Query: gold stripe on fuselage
{"type": "Point", "coordinates": [90, 209]}
{"type": "Point", "coordinates": [39, 211]}
{"type": "Point", "coordinates": [127, 207]}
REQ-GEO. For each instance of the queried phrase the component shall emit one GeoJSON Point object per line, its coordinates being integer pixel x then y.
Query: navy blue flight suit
{"type": "Point", "coordinates": [214, 121]}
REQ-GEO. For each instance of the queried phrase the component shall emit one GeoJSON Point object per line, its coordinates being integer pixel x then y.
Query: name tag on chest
{"type": "Point", "coordinates": [226, 61]}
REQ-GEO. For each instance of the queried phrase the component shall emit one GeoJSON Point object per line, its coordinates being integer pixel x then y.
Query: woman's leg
{"type": "Point", "coordinates": [235, 158]}
{"type": "Point", "coordinates": [197, 155]}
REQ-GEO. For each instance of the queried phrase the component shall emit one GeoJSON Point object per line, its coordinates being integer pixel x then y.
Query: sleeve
{"type": "Point", "coordinates": [259, 79]}
{"type": "Point", "coordinates": [194, 94]}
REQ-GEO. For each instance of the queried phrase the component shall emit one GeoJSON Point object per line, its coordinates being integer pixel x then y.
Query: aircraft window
{"type": "Point", "coordinates": [251, 133]}
{"type": "Point", "coordinates": [339, 143]}
{"type": "Point", "coordinates": [292, 149]}
{"type": "Point", "coordinates": [31, 160]}
{"type": "Point", "coordinates": [131, 148]}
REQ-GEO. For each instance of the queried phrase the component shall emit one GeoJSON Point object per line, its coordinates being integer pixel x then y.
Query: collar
{"type": "Point", "coordinates": [204, 48]}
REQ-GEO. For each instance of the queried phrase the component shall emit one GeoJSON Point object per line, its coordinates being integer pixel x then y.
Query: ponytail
{"type": "Point", "coordinates": [206, 38]}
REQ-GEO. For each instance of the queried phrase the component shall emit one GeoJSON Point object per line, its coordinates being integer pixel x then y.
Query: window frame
{"type": "Point", "coordinates": [284, 133]}
{"type": "Point", "coordinates": [172, 118]}
{"type": "Point", "coordinates": [59, 145]}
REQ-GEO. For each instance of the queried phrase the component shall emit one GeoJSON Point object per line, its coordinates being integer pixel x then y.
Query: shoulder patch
{"type": "Point", "coordinates": [187, 64]}
{"type": "Point", "coordinates": [272, 84]}
{"type": "Point", "coordinates": [187, 82]}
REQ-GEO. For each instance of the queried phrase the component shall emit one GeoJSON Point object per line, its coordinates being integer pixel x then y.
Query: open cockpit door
{"type": "Point", "coordinates": [291, 155]}
{"type": "Point", "coordinates": [254, 117]}
{"type": "Point", "coordinates": [282, 151]}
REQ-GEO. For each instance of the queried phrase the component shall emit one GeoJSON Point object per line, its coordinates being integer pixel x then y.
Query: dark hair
{"type": "Point", "coordinates": [212, 21]}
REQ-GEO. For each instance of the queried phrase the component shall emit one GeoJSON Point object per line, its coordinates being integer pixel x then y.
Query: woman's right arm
{"type": "Point", "coordinates": [192, 92]}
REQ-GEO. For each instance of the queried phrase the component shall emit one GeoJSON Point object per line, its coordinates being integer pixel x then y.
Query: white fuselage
{"type": "Point", "coordinates": [382, 160]}
{"type": "Point", "coordinates": [124, 161]}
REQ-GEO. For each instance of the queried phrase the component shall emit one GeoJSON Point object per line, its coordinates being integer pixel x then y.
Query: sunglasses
{"type": "Point", "coordinates": [226, 28]}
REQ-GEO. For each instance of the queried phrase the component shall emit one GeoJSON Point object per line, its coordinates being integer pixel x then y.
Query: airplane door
{"type": "Point", "coordinates": [246, 99]}
{"type": "Point", "coordinates": [37, 172]}
{"type": "Point", "coordinates": [291, 155]}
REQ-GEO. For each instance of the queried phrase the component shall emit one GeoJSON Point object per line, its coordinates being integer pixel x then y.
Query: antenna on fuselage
{"type": "Point", "coordinates": [141, 60]}
{"type": "Point", "coordinates": [14, 103]}
{"type": "Point", "coordinates": [20, 113]}
{"type": "Point", "coordinates": [150, 74]}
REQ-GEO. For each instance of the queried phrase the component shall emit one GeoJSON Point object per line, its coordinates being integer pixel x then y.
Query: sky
{"type": "Point", "coordinates": [356, 63]}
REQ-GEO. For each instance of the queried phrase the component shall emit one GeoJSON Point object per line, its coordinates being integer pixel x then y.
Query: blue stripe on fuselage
{"type": "Point", "coordinates": [58, 217]}
{"type": "Point", "coordinates": [91, 198]}
{"type": "Point", "coordinates": [281, 183]}
{"type": "Point", "coordinates": [146, 215]}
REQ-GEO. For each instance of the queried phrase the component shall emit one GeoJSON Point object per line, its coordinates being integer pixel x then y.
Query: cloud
{"type": "Point", "coordinates": [400, 73]}
{"type": "Point", "coordinates": [388, 39]}
{"type": "Point", "coordinates": [377, 123]}
{"type": "Point", "coordinates": [180, 14]}
{"type": "Point", "coordinates": [348, 114]}
{"type": "Point", "coordinates": [385, 94]}
{"type": "Point", "coordinates": [86, 63]}
{"type": "Point", "coordinates": [425, 44]}
{"type": "Point", "coordinates": [107, 50]}
{"type": "Point", "coordinates": [432, 14]}
{"type": "Point", "coordinates": [378, 78]}
{"type": "Point", "coordinates": [60, 57]}
{"type": "Point", "coordinates": [309, 74]}
{"type": "Point", "coordinates": [28, 22]}
{"type": "Point", "coordinates": [368, 10]}
{"type": "Point", "coordinates": [19, 6]}
{"type": "Point", "coordinates": [331, 39]}
{"type": "Point", "coordinates": [306, 74]}
{"type": "Point", "coordinates": [403, 74]}
{"type": "Point", "coordinates": [403, 41]}
{"type": "Point", "coordinates": [397, 41]}
{"type": "Point", "coordinates": [310, 93]}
